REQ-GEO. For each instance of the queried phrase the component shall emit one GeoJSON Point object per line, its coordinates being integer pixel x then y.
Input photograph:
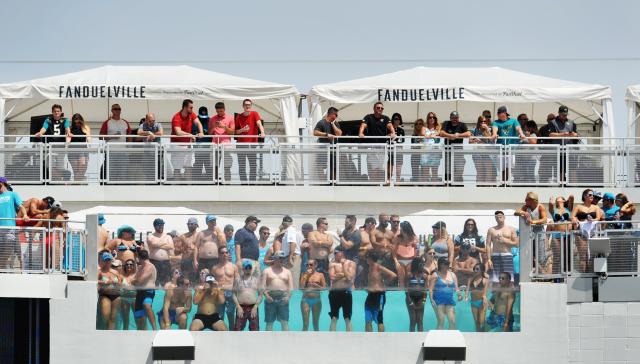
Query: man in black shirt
{"type": "Point", "coordinates": [454, 131]}
{"type": "Point", "coordinates": [377, 125]}
{"type": "Point", "coordinates": [327, 130]}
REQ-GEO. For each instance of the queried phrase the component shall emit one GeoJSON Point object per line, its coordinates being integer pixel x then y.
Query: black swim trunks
{"type": "Point", "coordinates": [207, 320]}
{"type": "Point", "coordinates": [340, 298]}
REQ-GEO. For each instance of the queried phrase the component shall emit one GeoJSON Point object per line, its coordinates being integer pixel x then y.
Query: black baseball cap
{"type": "Point", "coordinates": [287, 218]}
{"type": "Point", "coordinates": [454, 114]}
{"type": "Point", "coordinates": [502, 109]}
{"type": "Point", "coordinates": [563, 110]}
{"type": "Point", "coordinates": [203, 112]}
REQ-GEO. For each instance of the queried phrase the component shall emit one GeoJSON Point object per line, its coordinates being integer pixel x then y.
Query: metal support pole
{"type": "Point", "coordinates": [526, 252]}
{"type": "Point", "coordinates": [91, 252]}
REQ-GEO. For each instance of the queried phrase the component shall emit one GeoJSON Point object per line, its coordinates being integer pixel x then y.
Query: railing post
{"type": "Point", "coordinates": [526, 252]}
{"type": "Point", "coordinates": [91, 252]}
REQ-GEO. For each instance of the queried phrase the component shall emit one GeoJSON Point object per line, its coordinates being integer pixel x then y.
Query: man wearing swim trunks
{"type": "Point", "coordinates": [207, 243]}
{"type": "Point", "coordinates": [161, 249]}
{"type": "Point", "coordinates": [208, 296]}
{"type": "Point", "coordinates": [381, 241]}
{"type": "Point", "coordinates": [277, 282]}
{"type": "Point", "coordinates": [342, 272]}
{"type": "Point", "coordinates": [500, 239]}
{"type": "Point", "coordinates": [501, 305]}
{"type": "Point", "coordinates": [226, 273]}
{"type": "Point", "coordinates": [145, 283]}
{"type": "Point", "coordinates": [177, 302]}
{"type": "Point", "coordinates": [247, 298]}
{"type": "Point", "coordinates": [187, 249]}
{"type": "Point", "coordinates": [376, 298]}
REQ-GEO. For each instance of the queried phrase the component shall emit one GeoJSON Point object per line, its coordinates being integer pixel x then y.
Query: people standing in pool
{"type": "Point", "coordinates": [417, 284]}
{"type": "Point", "coordinates": [477, 288]}
{"type": "Point", "coordinates": [342, 273]}
{"type": "Point", "coordinates": [376, 297]}
{"type": "Point", "coordinates": [312, 283]}
{"type": "Point", "coordinates": [585, 216]}
{"type": "Point", "coordinates": [561, 213]}
{"type": "Point", "coordinates": [442, 287]}
{"type": "Point", "coordinates": [463, 264]}
{"type": "Point", "coordinates": [442, 243]}
{"type": "Point", "coordinates": [471, 237]}
{"type": "Point", "coordinates": [501, 305]}
{"type": "Point", "coordinates": [108, 290]}
{"type": "Point", "coordinates": [500, 239]}
{"type": "Point", "coordinates": [404, 250]}
{"type": "Point", "coordinates": [430, 262]}
{"type": "Point", "coordinates": [128, 294]}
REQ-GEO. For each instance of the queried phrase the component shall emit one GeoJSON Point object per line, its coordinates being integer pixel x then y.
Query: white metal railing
{"type": "Point", "coordinates": [54, 248]}
{"type": "Point", "coordinates": [564, 253]}
{"type": "Point", "coordinates": [304, 161]}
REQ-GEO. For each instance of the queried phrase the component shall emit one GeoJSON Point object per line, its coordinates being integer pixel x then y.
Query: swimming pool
{"type": "Point", "coordinates": [396, 318]}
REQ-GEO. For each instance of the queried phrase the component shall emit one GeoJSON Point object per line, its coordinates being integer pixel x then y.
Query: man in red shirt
{"type": "Point", "coordinates": [181, 126]}
{"type": "Point", "coordinates": [248, 124]}
{"type": "Point", "coordinates": [221, 126]}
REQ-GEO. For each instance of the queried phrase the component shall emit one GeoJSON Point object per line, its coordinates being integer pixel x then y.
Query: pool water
{"type": "Point", "coordinates": [396, 318]}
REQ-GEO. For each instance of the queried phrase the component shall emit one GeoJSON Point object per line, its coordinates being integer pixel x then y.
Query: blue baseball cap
{"type": "Point", "coordinates": [101, 219]}
{"type": "Point", "coordinates": [106, 256]}
{"type": "Point", "coordinates": [124, 228]}
{"type": "Point", "coordinates": [609, 196]}
{"type": "Point", "coordinates": [246, 263]}
{"type": "Point", "coordinates": [211, 218]}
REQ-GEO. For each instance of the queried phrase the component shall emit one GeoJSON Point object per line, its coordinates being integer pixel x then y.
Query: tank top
{"type": "Point", "coordinates": [77, 130]}
{"type": "Point", "coordinates": [441, 248]}
{"type": "Point", "coordinates": [263, 253]}
{"type": "Point", "coordinates": [535, 215]}
{"type": "Point", "coordinates": [429, 132]}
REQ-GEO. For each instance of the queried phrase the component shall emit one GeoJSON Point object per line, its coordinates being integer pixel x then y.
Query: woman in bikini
{"type": "Point", "coordinates": [128, 292]}
{"type": "Point", "coordinates": [404, 250]}
{"type": "Point", "coordinates": [583, 216]}
{"type": "Point", "coordinates": [561, 213]}
{"type": "Point", "coordinates": [108, 291]}
{"type": "Point", "coordinates": [417, 286]}
{"type": "Point", "coordinates": [430, 262]}
{"type": "Point", "coordinates": [477, 290]}
{"type": "Point", "coordinates": [312, 282]}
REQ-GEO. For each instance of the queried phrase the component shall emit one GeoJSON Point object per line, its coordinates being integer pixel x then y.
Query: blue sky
{"type": "Point", "coordinates": [306, 43]}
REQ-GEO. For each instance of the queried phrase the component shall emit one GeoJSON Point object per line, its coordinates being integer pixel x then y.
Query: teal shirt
{"type": "Point", "coordinates": [507, 128]}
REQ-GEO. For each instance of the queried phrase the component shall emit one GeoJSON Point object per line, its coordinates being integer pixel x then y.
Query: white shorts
{"type": "Point", "coordinates": [376, 161]}
{"type": "Point", "coordinates": [181, 157]}
{"type": "Point", "coordinates": [508, 161]}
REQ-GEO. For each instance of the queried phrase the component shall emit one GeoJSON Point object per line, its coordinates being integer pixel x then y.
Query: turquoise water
{"type": "Point", "coordinates": [396, 318]}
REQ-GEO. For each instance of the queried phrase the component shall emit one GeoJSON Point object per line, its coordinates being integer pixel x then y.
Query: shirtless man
{"type": "Point", "coordinates": [187, 248]}
{"type": "Point", "coordinates": [500, 239]}
{"type": "Point", "coordinates": [207, 243]}
{"type": "Point", "coordinates": [381, 241]}
{"type": "Point", "coordinates": [247, 297]}
{"type": "Point", "coordinates": [394, 220]}
{"type": "Point", "coordinates": [226, 273]}
{"type": "Point", "coordinates": [124, 244]}
{"type": "Point", "coordinates": [321, 245]}
{"type": "Point", "coordinates": [376, 298]}
{"type": "Point", "coordinates": [365, 247]}
{"type": "Point", "coordinates": [36, 208]}
{"type": "Point", "coordinates": [103, 234]}
{"type": "Point", "coordinates": [145, 283]}
{"type": "Point", "coordinates": [208, 296]}
{"type": "Point", "coordinates": [161, 250]}
{"type": "Point", "coordinates": [277, 283]}
{"type": "Point", "coordinates": [501, 305]}
{"type": "Point", "coordinates": [177, 302]}
{"type": "Point", "coordinates": [342, 272]}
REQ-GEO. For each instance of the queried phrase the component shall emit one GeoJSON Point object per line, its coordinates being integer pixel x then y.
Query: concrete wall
{"type": "Point", "coordinates": [604, 332]}
{"type": "Point", "coordinates": [544, 338]}
{"type": "Point", "coordinates": [33, 285]}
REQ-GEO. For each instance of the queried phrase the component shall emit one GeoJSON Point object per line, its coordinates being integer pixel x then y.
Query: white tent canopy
{"type": "Point", "coordinates": [633, 100]}
{"type": "Point", "coordinates": [143, 89]}
{"type": "Point", "coordinates": [416, 91]}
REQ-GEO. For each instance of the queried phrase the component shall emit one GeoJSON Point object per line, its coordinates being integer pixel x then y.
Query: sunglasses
{"type": "Point", "coordinates": [503, 278]}
{"type": "Point", "coordinates": [395, 221]}
{"type": "Point", "coordinates": [379, 108]}
{"type": "Point", "coordinates": [116, 109]}
{"type": "Point", "coordinates": [225, 252]}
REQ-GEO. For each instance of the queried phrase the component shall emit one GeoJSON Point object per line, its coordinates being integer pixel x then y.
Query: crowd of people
{"type": "Point", "coordinates": [231, 273]}
{"type": "Point", "coordinates": [246, 128]}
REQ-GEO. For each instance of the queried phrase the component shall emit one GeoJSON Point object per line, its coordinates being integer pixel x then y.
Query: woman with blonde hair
{"type": "Point", "coordinates": [442, 243]}
{"type": "Point", "coordinates": [79, 135]}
